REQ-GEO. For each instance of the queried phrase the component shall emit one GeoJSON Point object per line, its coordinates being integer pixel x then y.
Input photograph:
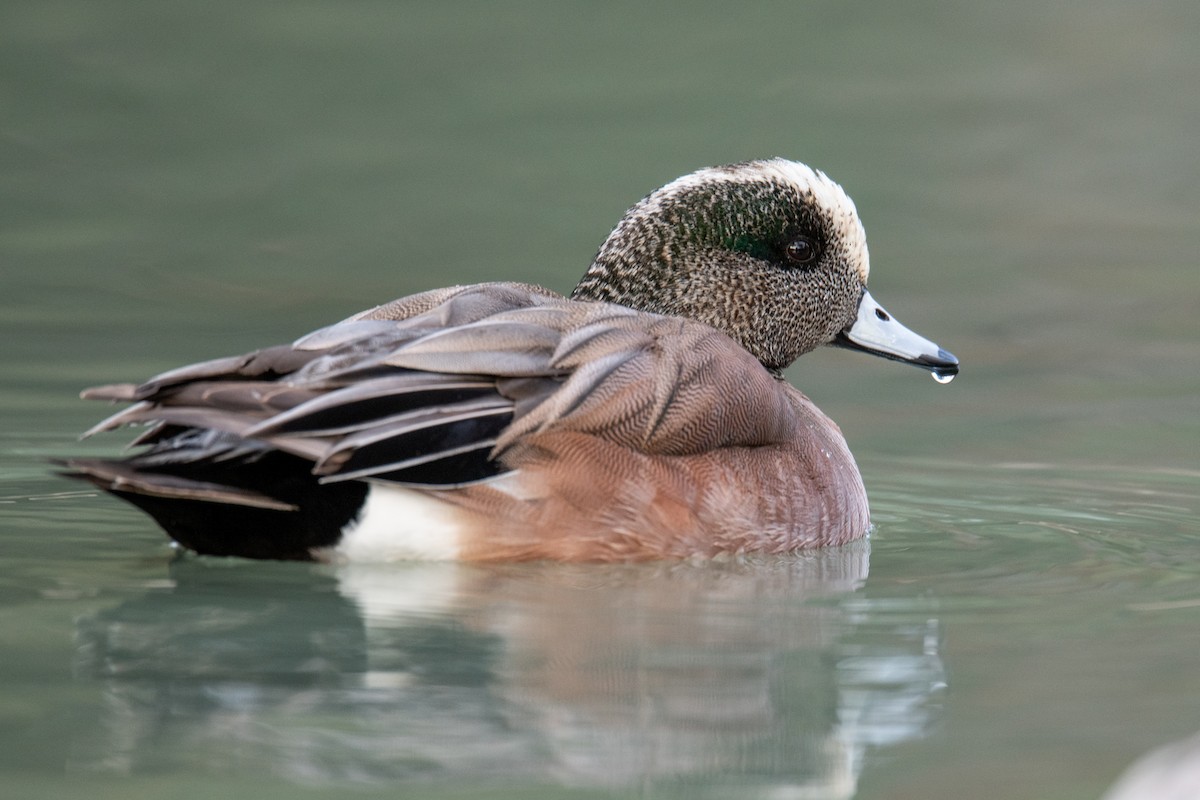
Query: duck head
{"type": "Point", "coordinates": [770, 252]}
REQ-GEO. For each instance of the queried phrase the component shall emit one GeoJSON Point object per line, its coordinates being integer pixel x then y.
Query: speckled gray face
{"type": "Point", "coordinates": [771, 252]}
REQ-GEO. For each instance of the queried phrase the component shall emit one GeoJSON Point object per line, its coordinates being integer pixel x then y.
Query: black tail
{"type": "Point", "coordinates": [253, 503]}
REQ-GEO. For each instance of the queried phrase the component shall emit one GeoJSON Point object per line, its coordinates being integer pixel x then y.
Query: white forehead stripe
{"type": "Point", "coordinates": [828, 194]}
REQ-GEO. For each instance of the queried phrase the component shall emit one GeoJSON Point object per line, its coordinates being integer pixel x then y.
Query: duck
{"type": "Point", "coordinates": [644, 417]}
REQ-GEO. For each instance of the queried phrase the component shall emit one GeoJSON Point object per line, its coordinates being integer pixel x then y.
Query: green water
{"type": "Point", "coordinates": [181, 181]}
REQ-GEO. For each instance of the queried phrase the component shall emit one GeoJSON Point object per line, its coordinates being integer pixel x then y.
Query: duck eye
{"type": "Point", "coordinates": [801, 251]}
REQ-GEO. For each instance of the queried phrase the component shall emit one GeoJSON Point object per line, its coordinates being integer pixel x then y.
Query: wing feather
{"type": "Point", "coordinates": [437, 388]}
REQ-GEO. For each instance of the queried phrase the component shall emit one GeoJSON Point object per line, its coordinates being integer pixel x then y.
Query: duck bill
{"type": "Point", "coordinates": [877, 332]}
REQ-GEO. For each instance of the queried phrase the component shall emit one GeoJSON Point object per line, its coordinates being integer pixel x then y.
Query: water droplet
{"type": "Point", "coordinates": [943, 377]}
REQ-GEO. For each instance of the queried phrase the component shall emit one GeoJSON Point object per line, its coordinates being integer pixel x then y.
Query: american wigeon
{"type": "Point", "coordinates": [644, 417]}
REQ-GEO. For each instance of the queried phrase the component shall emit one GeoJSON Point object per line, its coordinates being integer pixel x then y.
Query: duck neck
{"type": "Point", "coordinates": [632, 269]}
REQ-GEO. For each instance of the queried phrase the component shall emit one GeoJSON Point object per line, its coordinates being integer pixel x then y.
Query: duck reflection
{"type": "Point", "coordinates": [766, 677]}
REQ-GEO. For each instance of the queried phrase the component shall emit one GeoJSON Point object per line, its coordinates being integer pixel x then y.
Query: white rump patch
{"type": "Point", "coordinates": [399, 524]}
